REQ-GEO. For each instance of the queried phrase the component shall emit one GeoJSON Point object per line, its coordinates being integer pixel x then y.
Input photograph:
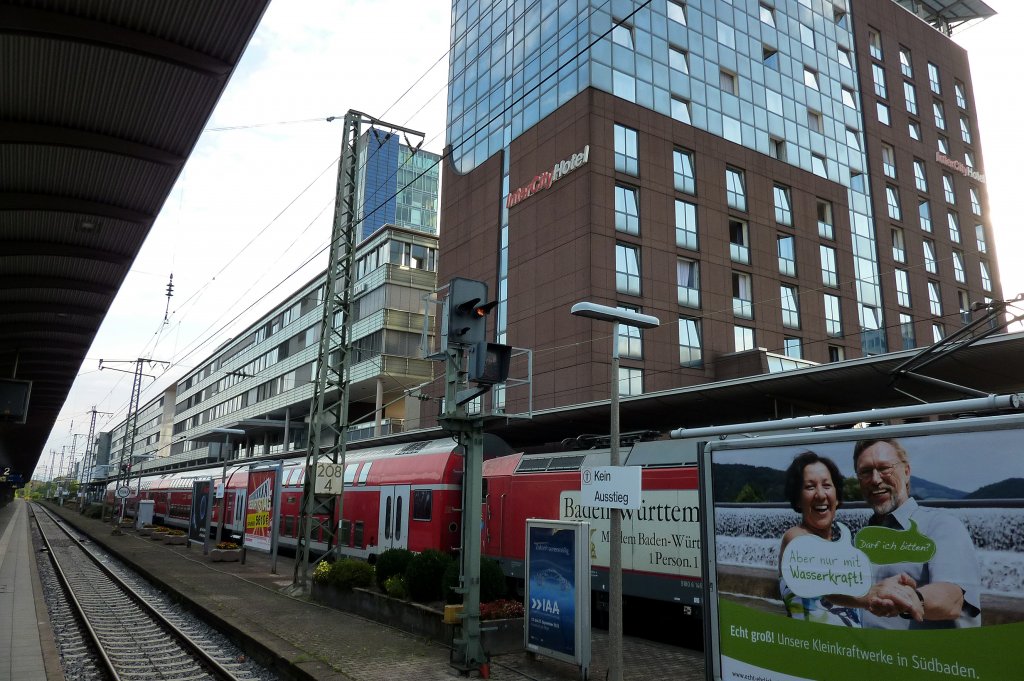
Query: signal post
{"type": "Point", "coordinates": [468, 357]}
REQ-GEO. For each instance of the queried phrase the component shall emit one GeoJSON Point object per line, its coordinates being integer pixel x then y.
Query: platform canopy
{"type": "Point", "coordinates": [101, 103]}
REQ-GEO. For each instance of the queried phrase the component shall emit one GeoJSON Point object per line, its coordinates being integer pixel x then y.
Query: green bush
{"type": "Point", "coordinates": [492, 582]}
{"type": "Point", "coordinates": [390, 563]}
{"type": "Point", "coordinates": [322, 572]}
{"type": "Point", "coordinates": [348, 574]}
{"type": "Point", "coordinates": [395, 587]}
{"type": "Point", "coordinates": [424, 574]}
{"type": "Point", "coordinates": [93, 511]}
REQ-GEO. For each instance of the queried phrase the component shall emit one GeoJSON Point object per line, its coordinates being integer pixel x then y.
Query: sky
{"type": "Point", "coordinates": [248, 221]}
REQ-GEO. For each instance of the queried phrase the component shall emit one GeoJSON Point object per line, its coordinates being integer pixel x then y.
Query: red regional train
{"type": "Point", "coordinates": [409, 496]}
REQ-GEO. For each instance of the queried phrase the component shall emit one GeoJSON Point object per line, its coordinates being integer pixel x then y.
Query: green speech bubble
{"type": "Point", "coordinates": [885, 546]}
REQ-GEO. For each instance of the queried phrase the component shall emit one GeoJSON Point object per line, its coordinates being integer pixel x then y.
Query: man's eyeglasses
{"type": "Point", "coordinates": [885, 471]}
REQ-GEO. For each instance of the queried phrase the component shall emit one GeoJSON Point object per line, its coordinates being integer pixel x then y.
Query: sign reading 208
{"type": "Point", "coordinates": [329, 478]}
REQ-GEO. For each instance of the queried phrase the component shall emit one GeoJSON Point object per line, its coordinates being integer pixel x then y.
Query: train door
{"type": "Point", "coordinates": [239, 523]}
{"type": "Point", "coordinates": [393, 532]}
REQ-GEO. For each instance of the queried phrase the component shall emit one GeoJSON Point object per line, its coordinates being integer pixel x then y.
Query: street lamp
{"type": "Point", "coordinates": [642, 321]}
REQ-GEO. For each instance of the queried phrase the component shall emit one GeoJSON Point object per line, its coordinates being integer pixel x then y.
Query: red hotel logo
{"type": "Point", "coordinates": [961, 168]}
{"type": "Point", "coordinates": [545, 179]}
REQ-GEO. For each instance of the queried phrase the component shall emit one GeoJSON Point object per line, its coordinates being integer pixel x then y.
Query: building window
{"type": "Point", "coordinates": [777, 148]}
{"type": "Point", "coordinates": [677, 60]}
{"type": "Point", "coordinates": [825, 225]}
{"type": "Point", "coordinates": [627, 269]}
{"type": "Point", "coordinates": [688, 275]}
{"type": "Point", "coordinates": [630, 341]}
{"type": "Point", "coordinates": [807, 35]}
{"type": "Point", "coordinates": [767, 15]}
{"type": "Point", "coordinates": [845, 59]}
{"type": "Point", "coordinates": [681, 110]}
{"type": "Point", "coordinates": [986, 276]}
{"type": "Point", "coordinates": [685, 179]}
{"type": "Point", "coordinates": [631, 381]}
{"type": "Point", "coordinates": [948, 189]}
{"type": "Point", "coordinates": [818, 165]}
{"type": "Point", "coordinates": [792, 347]}
{"type": "Point", "coordinates": [743, 337]}
{"type": "Point", "coordinates": [848, 98]}
{"type": "Point", "coordinates": [840, 17]}
{"type": "Point", "coordinates": [622, 34]}
{"type": "Point", "coordinates": [910, 96]}
{"type": "Point", "coordinates": [787, 255]}
{"type": "Point", "coordinates": [875, 44]}
{"type": "Point", "coordinates": [929, 256]}
{"type": "Point", "coordinates": [975, 201]}
{"type": "Point", "coordinates": [686, 225]}
{"type": "Point", "coordinates": [836, 353]}
{"type": "Point", "coordinates": [735, 189]}
{"type": "Point", "coordinates": [833, 315]}
{"type": "Point", "coordinates": [739, 241]}
{"type": "Point", "coordinates": [892, 202]}
{"type": "Point", "coordinates": [814, 121]}
{"type": "Point", "coordinates": [940, 116]}
{"type": "Point", "coordinates": [726, 35]}
{"type": "Point", "coordinates": [810, 78]}
{"type": "Point", "coordinates": [969, 159]}
{"type": "Point", "coordinates": [770, 57]}
{"type": "Point", "coordinates": [933, 78]}
{"type": "Point", "coordinates": [829, 276]}
{"type": "Point", "coordinates": [878, 76]}
{"type": "Point", "coordinates": [938, 332]}
{"type": "Point", "coordinates": [790, 308]}
{"type": "Point", "coordinates": [742, 298]}
{"type": "Point", "coordinates": [626, 150]}
{"type": "Point", "coordinates": [964, 301]}
{"type": "Point", "coordinates": [965, 129]}
{"type": "Point", "coordinates": [961, 95]}
{"type": "Point", "coordinates": [899, 249]}
{"type": "Point", "coordinates": [676, 11]}
{"type": "Point", "coordinates": [920, 179]}
{"type": "Point", "coordinates": [888, 161]}
{"type": "Point", "coordinates": [979, 235]}
{"type": "Point", "coordinates": [914, 130]}
{"type": "Point", "coordinates": [943, 144]}
{"type": "Point", "coordinates": [883, 113]}
{"type": "Point", "coordinates": [783, 206]}
{"type": "Point", "coordinates": [852, 139]}
{"type": "Point", "coordinates": [690, 354]}
{"type": "Point", "coordinates": [924, 213]}
{"type": "Point", "coordinates": [958, 267]}
{"type": "Point", "coordinates": [906, 66]}
{"type": "Point", "coordinates": [727, 81]}
{"type": "Point", "coordinates": [953, 220]}
{"type": "Point", "coordinates": [902, 288]}
{"type": "Point", "coordinates": [907, 331]}
{"type": "Point", "coordinates": [627, 214]}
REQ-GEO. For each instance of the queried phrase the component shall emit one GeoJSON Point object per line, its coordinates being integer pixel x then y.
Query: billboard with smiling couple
{"type": "Point", "coordinates": [885, 552]}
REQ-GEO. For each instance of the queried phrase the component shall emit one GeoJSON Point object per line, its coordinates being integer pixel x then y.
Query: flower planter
{"type": "Point", "coordinates": [145, 531]}
{"type": "Point", "coordinates": [157, 536]}
{"type": "Point", "coordinates": [225, 555]}
{"type": "Point", "coordinates": [175, 539]}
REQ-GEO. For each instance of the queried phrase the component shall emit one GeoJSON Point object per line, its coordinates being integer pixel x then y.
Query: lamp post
{"type": "Point", "coordinates": [227, 433]}
{"type": "Point", "coordinates": [642, 321]}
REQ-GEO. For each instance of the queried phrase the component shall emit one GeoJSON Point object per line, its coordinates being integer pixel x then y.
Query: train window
{"type": "Point", "coordinates": [422, 504]}
{"type": "Point", "coordinates": [398, 518]}
{"type": "Point", "coordinates": [363, 474]}
{"type": "Point", "coordinates": [359, 534]}
{"type": "Point", "coordinates": [350, 473]}
{"type": "Point", "coordinates": [387, 518]}
{"type": "Point", "coordinates": [346, 532]}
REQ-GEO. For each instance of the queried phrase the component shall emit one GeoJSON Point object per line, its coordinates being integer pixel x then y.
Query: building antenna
{"type": "Point", "coordinates": [170, 292]}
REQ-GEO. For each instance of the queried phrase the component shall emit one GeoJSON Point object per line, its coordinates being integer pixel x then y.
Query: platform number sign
{"type": "Point", "coordinates": [329, 478]}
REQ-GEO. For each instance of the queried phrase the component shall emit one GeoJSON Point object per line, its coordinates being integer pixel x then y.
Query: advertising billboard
{"type": "Point", "coordinates": [883, 552]}
{"type": "Point", "coordinates": [199, 517]}
{"type": "Point", "coordinates": [558, 590]}
{"type": "Point", "coordinates": [259, 509]}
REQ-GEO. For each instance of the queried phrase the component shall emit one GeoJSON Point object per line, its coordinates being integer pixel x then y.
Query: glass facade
{"type": "Point", "coordinates": [385, 164]}
{"type": "Point", "coordinates": [514, 62]}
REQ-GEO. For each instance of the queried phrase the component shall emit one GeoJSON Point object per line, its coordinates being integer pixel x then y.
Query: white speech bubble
{"type": "Point", "coordinates": [814, 567]}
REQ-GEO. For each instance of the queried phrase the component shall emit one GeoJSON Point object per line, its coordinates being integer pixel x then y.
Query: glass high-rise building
{"type": "Point", "coordinates": [397, 185]}
{"type": "Point", "coordinates": [779, 182]}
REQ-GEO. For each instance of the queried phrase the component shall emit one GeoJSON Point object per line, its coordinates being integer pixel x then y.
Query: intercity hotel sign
{"type": "Point", "coordinates": [545, 179]}
{"type": "Point", "coordinates": [959, 167]}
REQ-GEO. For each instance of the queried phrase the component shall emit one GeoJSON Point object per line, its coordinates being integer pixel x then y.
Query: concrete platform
{"type": "Point", "coordinates": [304, 640]}
{"type": "Point", "coordinates": [27, 651]}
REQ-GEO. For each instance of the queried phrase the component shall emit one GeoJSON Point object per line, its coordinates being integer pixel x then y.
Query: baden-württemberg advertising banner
{"type": "Point", "coordinates": [259, 509]}
{"type": "Point", "coordinates": [899, 555]}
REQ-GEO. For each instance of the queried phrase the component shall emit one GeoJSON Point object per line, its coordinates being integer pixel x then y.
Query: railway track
{"type": "Point", "coordinates": [129, 638]}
